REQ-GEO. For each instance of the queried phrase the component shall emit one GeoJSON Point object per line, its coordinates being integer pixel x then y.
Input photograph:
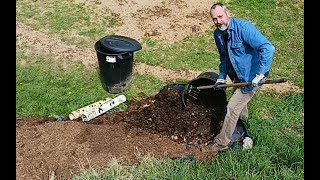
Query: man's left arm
{"type": "Point", "coordinates": [259, 42]}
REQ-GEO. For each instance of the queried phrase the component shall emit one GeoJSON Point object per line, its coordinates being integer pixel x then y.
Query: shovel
{"type": "Point", "coordinates": [194, 92]}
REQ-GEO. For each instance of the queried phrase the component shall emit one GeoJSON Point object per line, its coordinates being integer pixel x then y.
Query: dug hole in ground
{"type": "Point", "coordinates": [159, 126]}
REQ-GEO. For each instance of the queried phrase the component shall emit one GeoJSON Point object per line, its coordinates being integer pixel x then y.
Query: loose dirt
{"type": "Point", "coordinates": [159, 126]}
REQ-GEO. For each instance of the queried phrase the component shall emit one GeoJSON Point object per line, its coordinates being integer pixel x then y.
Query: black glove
{"type": "Point", "coordinates": [219, 82]}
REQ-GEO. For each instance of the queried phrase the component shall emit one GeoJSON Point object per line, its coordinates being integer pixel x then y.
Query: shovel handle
{"type": "Point", "coordinates": [264, 81]}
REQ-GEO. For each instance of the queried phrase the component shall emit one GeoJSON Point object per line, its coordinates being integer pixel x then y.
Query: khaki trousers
{"type": "Point", "coordinates": [237, 107]}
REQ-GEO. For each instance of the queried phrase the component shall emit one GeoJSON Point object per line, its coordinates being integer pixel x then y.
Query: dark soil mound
{"type": "Point", "coordinates": [157, 125]}
{"type": "Point", "coordinates": [165, 114]}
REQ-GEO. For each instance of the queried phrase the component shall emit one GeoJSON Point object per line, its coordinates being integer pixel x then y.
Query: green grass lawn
{"type": "Point", "coordinates": [276, 121]}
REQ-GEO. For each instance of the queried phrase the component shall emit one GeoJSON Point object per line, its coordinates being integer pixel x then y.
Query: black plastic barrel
{"type": "Point", "coordinates": [209, 97]}
{"type": "Point", "coordinates": [213, 100]}
{"type": "Point", "coordinates": [115, 56]}
{"type": "Point", "coordinates": [216, 101]}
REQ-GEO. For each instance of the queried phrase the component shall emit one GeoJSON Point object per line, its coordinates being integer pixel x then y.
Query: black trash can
{"type": "Point", "coordinates": [211, 99]}
{"type": "Point", "coordinates": [215, 100]}
{"type": "Point", "coordinates": [115, 56]}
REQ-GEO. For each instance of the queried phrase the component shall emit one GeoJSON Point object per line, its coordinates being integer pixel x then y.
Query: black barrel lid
{"type": "Point", "coordinates": [120, 44]}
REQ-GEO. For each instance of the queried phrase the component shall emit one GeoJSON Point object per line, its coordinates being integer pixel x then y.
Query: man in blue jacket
{"type": "Point", "coordinates": [245, 56]}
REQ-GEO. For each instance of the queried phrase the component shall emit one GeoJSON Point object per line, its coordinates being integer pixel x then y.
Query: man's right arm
{"type": "Point", "coordinates": [222, 66]}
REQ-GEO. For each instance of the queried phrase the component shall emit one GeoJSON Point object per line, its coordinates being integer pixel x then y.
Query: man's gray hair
{"type": "Point", "coordinates": [224, 7]}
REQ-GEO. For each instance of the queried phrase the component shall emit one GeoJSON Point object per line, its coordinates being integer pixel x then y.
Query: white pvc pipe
{"type": "Point", "coordinates": [77, 113]}
{"type": "Point", "coordinates": [98, 110]}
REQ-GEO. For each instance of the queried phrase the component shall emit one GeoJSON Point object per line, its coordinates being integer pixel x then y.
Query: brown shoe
{"type": "Point", "coordinates": [213, 148]}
